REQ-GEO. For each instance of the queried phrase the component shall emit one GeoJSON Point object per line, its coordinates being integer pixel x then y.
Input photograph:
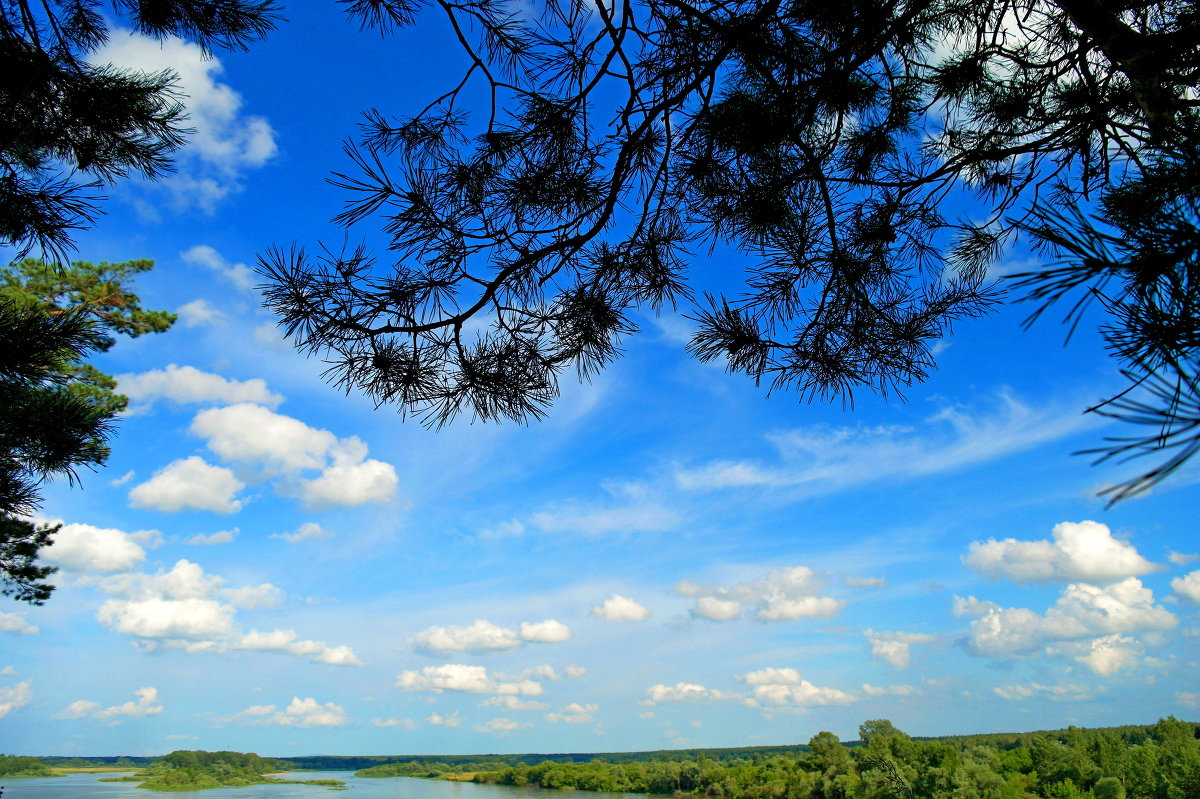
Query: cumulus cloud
{"type": "Point", "coordinates": [782, 595]}
{"type": "Point", "coordinates": [893, 647]}
{"type": "Point", "coordinates": [479, 636]}
{"type": "Point", "coordinates": [15, 696]}
{"type": "Point", "coordinates": [1182, 558]}
{"type": "Point", "coordinates": [185, 608]}
{"type": "Point", "coordinates": [685, 692]}
{"type": "Point", "coordinates": [16, 623]}
{"type": "Point", "coordinates": [253, 434]}
{"type": "Point", "coordinates": [574, 713]}
{"type": "Point", "coordinates": [93, 550]}
{"type": "Point", "coordinates": [1187, 698]}
{"type": "Point", "coordinates": [213, 539]}
{"type": "Point", "coordinates": [189, 483]}
{"type": "Point", "coordinates": [289, 642]}
{"type": "Point", "coordinates": [225, 142]}
{"type": "Point", "coordinates": [305, 713]}
{"type": "Point", "coordinates": [188, 385]}
{"type": "Point", "coordinates": [449, 720]}
{"type": "Point", "coordinates": [1079, 551]}
{"type": "Point", "coordinates": [1034, 690]}
{"type": "Point", "coordinates": [776, 686]}
{"type": "Point", "coordinates": [304, 532]}
{"type": "Point", "coordinates": [549, 631]}
{"type": "Point", "coordinates": [1188, 586]}
{"type": "Point", "coordinates": [1081, 612]}
{"type": "Point", "coordinates": [513, 703]}
{"type": "Point", "coordinates": [461, 677]}
{"type": "Point", "coordinates": [248, 432]}
{"type": "Point", "coordinates": [621, 608]}
{"type": "Point", "coordinates": [146, 704]}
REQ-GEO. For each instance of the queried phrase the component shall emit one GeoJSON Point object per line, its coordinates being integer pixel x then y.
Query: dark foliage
{"type": "Point", "coordinates": [46, 430]}
{"type": "Point", "coordinates": [818, 147]}
{"type": "Point", "coordinates": [69, 127]}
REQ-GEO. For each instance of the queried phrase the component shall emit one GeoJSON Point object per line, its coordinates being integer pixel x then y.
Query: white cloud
{"type": "Point", "coordinates": [782, 595]}
{"type": "Point", "coordinates": [501, 726]}
{"type": "Point", "coordinates": [213, 539]}
{"type": "Point", "coordinates": [1182, 558]}
{"type": "Point", "coordinates": [404, 724]}
{"type": "Point", "coordinates": [225, 142]}
{"type": "Point", "coordinates": [305, 713]}
{"type": "Point", "coordinates": [1188, 586]}
{"type": "Point", "coordinates": [304, 532]}
{"type": "Point", "coordinates": [685, 692]}
{"type": "Point", "coordinates": [1186, 698]}
{"type": "Point", "coordinates": [621, 608]}
{"type": "Point", "coordinates": [15, 696]}
{"type": "Point", "coordinates": [866, 582]}
{"type": "Point", "coordinates": [549, 631]}
{"type": "Point", "coordinates": [513, 703]}
{"type": "Point", "coordinates": [247, 432]}
{"type": "Point", "coordinates": [199, 313]}
{"type": "Point", "coordinates": [479, 636]}
{"type": "Point", "coordinates": [16, 623]}
{"type": "Point", "coordinates": [460, 677]}
{"type": "Point", "coordinates": [188, 609]}
{"type": "Point", "coordinates": [238, 274]}
{"type": "Point", "coordinates": [890, 690]}
{"type": "Point", "coordinates": [350, 484]}
{"type": "Point", "coordinates": [189, 483]}
{"type": "Point", "coordinates": [1055, 693]}
{"type": "Point", "coordinates": [93, 550]}
{"type": "Point", "coordinates": [1080, 551]}
{"type": "Point", "coordinates": [188, 385]}
{"type": "Point", "coordinates": [288, 642]}
{"type": "Point", "coordinates": [574, 713]}
{"type": "Point", "coordinates": [1082, 611]}
{"type": "Point", "coordinates": [776, 686]}
{"type": "Point", "coordinates": [575, 671]}
{"type": "Point", "coordinates": [145, 705]}
{"type": "Point", "coordinates": [605, 521]}
{"type": "Point", "coordinates": [893, 647]}
{"type": "Point", "coordinates": [449, 720]}
{"type": "Point", "coordinates": [821, 459]}
{"type": "Point", "coordinates": [1105, 655]}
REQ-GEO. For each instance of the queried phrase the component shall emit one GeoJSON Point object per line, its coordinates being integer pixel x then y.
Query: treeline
{"type": "Point", "coordinates": [1157, 762]}
{"type": "Point", "coordinates": [14, 766]}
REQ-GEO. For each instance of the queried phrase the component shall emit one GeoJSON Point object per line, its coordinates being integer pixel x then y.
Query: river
{"type": "Point", "coordinates": [88, 786]}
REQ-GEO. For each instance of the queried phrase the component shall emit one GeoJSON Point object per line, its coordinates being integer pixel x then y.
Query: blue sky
{"type": "Point", "coordinates": [670, 559]}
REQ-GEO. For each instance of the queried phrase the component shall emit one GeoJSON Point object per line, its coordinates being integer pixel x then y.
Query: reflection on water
{"type": "Point", "coordinates": [88, 786]}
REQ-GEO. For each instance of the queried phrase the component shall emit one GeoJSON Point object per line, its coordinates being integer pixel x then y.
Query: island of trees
{"type": "Point", "coordinates": [181, 770]}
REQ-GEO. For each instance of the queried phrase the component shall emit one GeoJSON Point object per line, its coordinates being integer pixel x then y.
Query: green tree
{"type": "Point", "coordinates": [46, 430]}
{"type": "Point", "coordinates": [863, 162]}
{"type": "Point", "coordinates": [102, 292]}
{"type": "Point", "coordinates": [69, 127]}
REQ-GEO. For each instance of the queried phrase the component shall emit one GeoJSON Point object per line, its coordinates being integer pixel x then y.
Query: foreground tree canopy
{"type": "Point", "coordinates": [69, 127]}
{"type": "Point", "coordinates": [58, 410]}
{"type": "Point", "coordinates": [863, 164]}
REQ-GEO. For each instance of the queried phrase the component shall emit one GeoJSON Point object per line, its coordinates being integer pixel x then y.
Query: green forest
{"type": "Point", "coordinates": [190, 770]}
{"type": "Point", "coordinates": [1161, 761]}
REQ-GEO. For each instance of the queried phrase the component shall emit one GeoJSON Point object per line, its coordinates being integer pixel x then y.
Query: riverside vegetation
{"type": "Point", "coordinates": [1161, 761]}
